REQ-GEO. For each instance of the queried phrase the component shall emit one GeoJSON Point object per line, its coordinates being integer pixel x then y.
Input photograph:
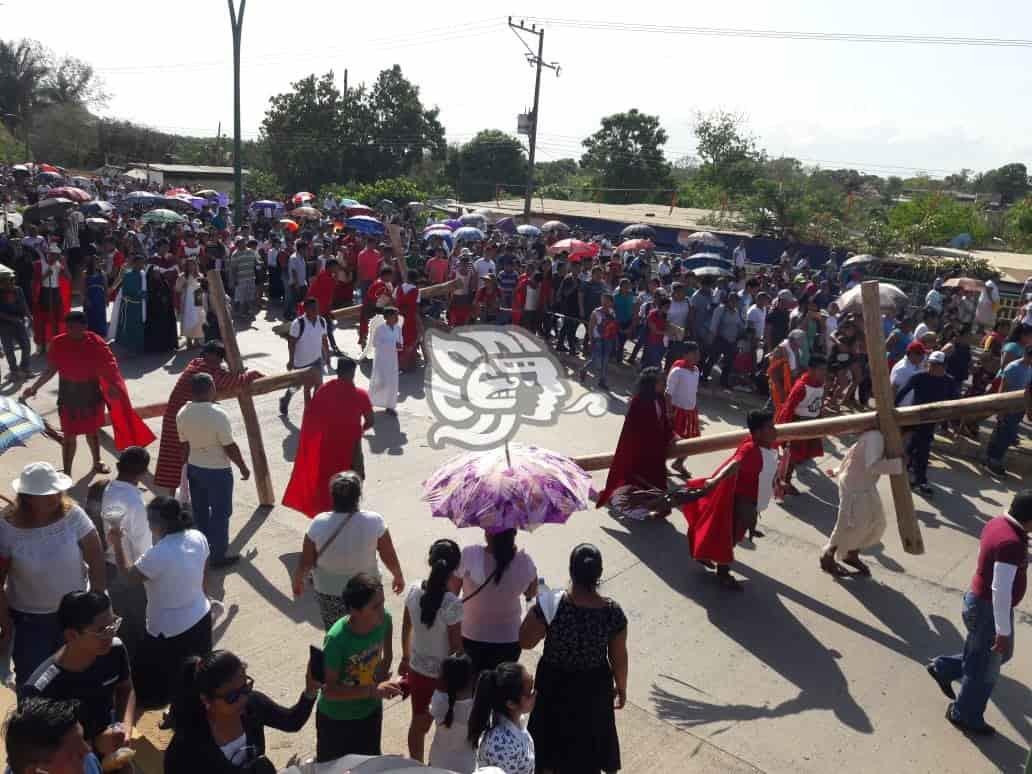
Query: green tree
{"type": "Point", "coordinates": [490, 159]}
{"type": "Point", "coordinates": [627, 153]}
{"type": "Point", "coordinates": [1018, 224]}
{"type": "Point", "coordinates": [935, 219]}
{"type": "Point", "coordinates": [1009, 181]}
{"type": "Point", "coordinates": [263, 184]}
{"type": "Point", "coordinates": [730, 159]}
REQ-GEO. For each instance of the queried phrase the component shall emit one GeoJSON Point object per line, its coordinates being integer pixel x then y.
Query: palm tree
{"type": "Point", "coordinates": [24, 67]}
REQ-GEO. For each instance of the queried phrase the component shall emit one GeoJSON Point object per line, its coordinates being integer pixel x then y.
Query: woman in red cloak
{"type": "Point", "coordinates": [406, 298]}
{"type": "Point", "coordinates": [641, 453]}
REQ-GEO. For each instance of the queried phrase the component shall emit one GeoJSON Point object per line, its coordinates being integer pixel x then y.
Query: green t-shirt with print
{"type": "Point", "coordinates": [355, 658]}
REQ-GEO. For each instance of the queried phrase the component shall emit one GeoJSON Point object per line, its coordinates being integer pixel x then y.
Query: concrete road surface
{"type": "Point", "coordinates": [800, 673]}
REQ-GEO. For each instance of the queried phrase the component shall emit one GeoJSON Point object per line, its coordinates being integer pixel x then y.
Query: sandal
{"type": "Point", "coordinates": [861, 568]}
{"type": "Point", "coordinates": [830, 566]}
{"type": "Point", "coordinates": [729, 582]}
{"type": "Point", "coordinates": [101, 467]}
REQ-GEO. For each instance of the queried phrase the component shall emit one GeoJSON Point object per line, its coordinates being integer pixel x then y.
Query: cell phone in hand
{"type": "Point", "coordinates": [316, 664]}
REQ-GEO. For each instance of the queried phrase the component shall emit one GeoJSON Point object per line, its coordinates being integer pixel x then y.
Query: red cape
{"type": "Point", "coordinates": [640, 458]}
{"type": "Point", "coordinates": [329, 432]}
{"type": "Point", "coordinates": [322, 289]}
{"type": "Point", "coordinates": [711, 529]}
{"type": "Point", "coordinates": [64, 288]}
{"type": "Point", "coordinates": [91, 358]}
{"type": "Point", "coordinates": [786, 412]}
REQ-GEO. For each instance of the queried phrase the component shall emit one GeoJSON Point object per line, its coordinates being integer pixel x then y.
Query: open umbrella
{"type": "Point", "coordinates": [97, 224]}
{"type": "Point", "coordinates": [97, 207]}
{"type": "Point", "coordinates": [712, 271]}
{"type": "Point", "coordinates": [365, 224]}
{"type": "Point", "coordinates": [859, 260]}
{"type": "Point", "coordinates": [305, 213]}
{"type": "Point", "coordinates": [436, 226]}
{"type": "Point", "coordinates": [80, 181]}
{"type": "Point", "coordinates": [49, 177]}
{"type": "Point", "coordinates": [439, 233]}
{"type": "Point", "coordinates": [474, 219]}
{"type": "Point", "coordinates": [966, 284]}
{"type": "Point", "coordinates": [301, 197]}
{"type": "Point", "coordinates": [705, 238]}
{"type": "Point", "coordinates": [638, 230]}
{"type": "Point", "coordinates": [69, 192]}
{"type": "Point", "coordinates": [288, 224]}
{"type": "Point", "coordinates": [511, 487]}
{"type": "Point", "coordinates": [698, 260]}
{"type": "Point", "coordinates": [48, 208]}
{"type": "Point", "coordinates": [633, 245]}
{"type": "Point", "coordinates": [469, 234]}
{"type": "Point", "coordinates": [49, 168]}
{"type": "Point", "coordinates": [575, 249]}
{"type": "Point", "coordinates": [350, 203]}
{"type": "Point", "coordinates": [207, 193]}
{"type": "Point", "coordinates": [20, 169]}
{"type": "Point", "coordinates": [554, 225]}
{"type": "Point", "coordinates": [176, 203]}
{"type": "Point", "coordinates": [177, 191]}
{"type": "Point", "coordinates": [506, 225]}
{"type": "Point", "coordinates": [528, 230]}
{"type": "Point", "coordinates": [358, 209]}
{"type": "Point", "coordinates": [18, 423]}
{"type": "Point", "coordinates": [890, 298]}
{"type": "Point", "coordinates": [162, 217]}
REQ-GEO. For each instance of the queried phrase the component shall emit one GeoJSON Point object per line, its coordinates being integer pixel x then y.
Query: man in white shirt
{"type": "Point", "coordinates": [738, 255]}
{"type": "Point", "coordinates": [933, 299]}
{"type": "Point", "coordinates": [207, 437]}
{"type": "Point", "coordinates": [913, 362]}
{"type": "Point", "coordinates": [756, 318]}
{"type": "Point", "coordinates": [483, 266]}
{"type": "Point", "coordinates": [682, 393]}
{"type": "Point", "coordinates": [678, 314]}
{"type": "Point", "coordinates": [929, 324]}
{"type": "Point", "coordinates": [297, 279]}
{"type": "Point", "coordinates": [309, 347]}
{"type": "Point", "coordinates": [122, 506]}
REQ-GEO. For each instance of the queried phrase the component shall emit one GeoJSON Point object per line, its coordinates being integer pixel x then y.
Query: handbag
{"type": "Point", "coordinates": [329, 541]}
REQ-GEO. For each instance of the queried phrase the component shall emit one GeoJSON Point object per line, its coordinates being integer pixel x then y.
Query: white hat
{"type": "Point", "coordinates": [937, 357]}
{"type": "Point", "coordinates": [54, 248]}
{"type": "Point", "coordinates": [40, 478]}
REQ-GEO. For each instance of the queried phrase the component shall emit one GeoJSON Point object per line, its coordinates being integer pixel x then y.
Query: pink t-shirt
{"type": "Point", "coordinates": [494, 614]}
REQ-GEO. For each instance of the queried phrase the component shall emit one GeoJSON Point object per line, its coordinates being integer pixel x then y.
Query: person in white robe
{"type": "Point", "coordinates": [861, 517]}
{"type": "Point", "coordinates": [387, 341]}
{"type": "Point", "coordinates": [193, 308]}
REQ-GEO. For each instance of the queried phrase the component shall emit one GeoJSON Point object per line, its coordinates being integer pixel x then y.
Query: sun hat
{"type": "Point", "coordinates": [40, 478]}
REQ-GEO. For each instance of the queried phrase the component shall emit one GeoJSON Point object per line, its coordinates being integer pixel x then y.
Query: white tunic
{"type": "Point", "coordinates": [810, 406]}
{"type": "Point", "coordinates": [191, 314]}
{"type": "Point", "coordinates": [383, 384]}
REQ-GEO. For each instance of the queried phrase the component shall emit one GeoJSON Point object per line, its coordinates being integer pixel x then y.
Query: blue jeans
{"type": "Point", "coordinates": [1005, 435]}
{"type": "Point", "coordinates": [36, 637]}
{"type": "Point", "coordinates": [601, 352]}
{"type": "Point", "coordinates": [653, 356]}
{"type": "Point", "coordinates": [211, 498]}
{"type": "Point", "coordinates": [978, 667]}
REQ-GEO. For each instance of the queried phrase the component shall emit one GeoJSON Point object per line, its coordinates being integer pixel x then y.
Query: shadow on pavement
{"type": "Point", "coordinates": [387, 435]}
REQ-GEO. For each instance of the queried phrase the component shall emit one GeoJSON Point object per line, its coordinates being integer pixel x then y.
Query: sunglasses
{"type": "Point", "coordinates": [107, 632]}
{"type": "Point", "coordinates": [233, 696]}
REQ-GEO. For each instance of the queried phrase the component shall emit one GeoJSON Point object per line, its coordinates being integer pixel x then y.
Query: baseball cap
{"type": "Point", "coordinates": [937, 357]}
{"type": "Point", "coordinates": [916, 346]}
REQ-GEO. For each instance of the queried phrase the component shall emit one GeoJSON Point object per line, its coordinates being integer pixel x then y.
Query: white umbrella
{"type": "Point", "coordinates": [707, 238]}
{"type": "Point", "coordinates": [889, 296]}
{"type": "Point", "coordinates": [858, 260]}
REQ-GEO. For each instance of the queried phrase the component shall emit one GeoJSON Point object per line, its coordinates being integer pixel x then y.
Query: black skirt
{"type": "Point", "coordinates": [573, 723]}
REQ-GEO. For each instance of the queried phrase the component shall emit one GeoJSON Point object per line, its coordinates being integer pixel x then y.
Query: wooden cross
{"type": "Point", "coordinates": [259, 462]}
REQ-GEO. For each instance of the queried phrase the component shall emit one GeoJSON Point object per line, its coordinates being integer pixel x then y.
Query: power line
{"type": "Point", "coordinates": [772, 34]}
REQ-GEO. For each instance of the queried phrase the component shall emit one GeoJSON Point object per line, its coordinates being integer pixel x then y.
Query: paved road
{"type": "Point", "coordinates": [798, 674]}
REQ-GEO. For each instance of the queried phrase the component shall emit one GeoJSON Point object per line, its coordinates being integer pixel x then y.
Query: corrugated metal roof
{"type": "Point", "coordinates": [186, 169]}
{"type": "Point", "coordinates": [653, 214]}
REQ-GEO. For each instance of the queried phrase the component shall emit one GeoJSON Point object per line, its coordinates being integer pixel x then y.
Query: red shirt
{"type": "Point", "coordinates": [656, 321]}
{"type": "Point", "coordinates": [369, 261]}
{"type": "Point", "coordinates": [437, 270]}
{"type": "Point", "coordinates": [1001, 541]}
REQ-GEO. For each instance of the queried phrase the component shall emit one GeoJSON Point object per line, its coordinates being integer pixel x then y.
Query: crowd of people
{"type": "Point", "coordinates": [108, 606]}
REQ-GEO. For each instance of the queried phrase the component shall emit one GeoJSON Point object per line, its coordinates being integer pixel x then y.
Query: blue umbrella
{"type": "Point", "coordinates": [18, 423]}
{"type": "Point", "coordinates": [364, 224]}
{"type": "Point", "coordinates": [506, 225]}
{"type": "Point", "coordinates": [473, 219]}
{"type": "Point", "coordinates": [702, 260]}
{"type": "Point", "coordinates": [96, 207]}
{"type": "Point", "coordinates": [528, 230]}
{"type": "Point", "coordinates": [469, 234]}
{"type": "Point", "coordinates": [435, 226]}
{"type": "Point", "coordinates": [441, 233]}
{"type": "Point", "coordinates": [265, 204]}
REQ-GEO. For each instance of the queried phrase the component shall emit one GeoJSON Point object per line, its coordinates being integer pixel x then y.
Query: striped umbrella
{"type": "Point", "coordinates": [18, 423]}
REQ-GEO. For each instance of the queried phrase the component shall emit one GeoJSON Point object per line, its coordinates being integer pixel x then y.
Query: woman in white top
{"type": "Point", "coordinates": [431, 630]}
{"type": "Point", "coordinates": [494, 577]}
{"type": "Point", "coordinates": [450, 707]}
{"type": "Point", "coordinates": [504, 695]}
{"type": "Point", "coordinates": [48, 547]}
{"type": "Point", "coordinates": [173, 571]}
{"type": "Point", "coordinates": [342, 543]}
{"type": "Point", "coordinates": [193, 307]}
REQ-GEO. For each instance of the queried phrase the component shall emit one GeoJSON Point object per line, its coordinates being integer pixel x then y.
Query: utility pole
{"type": "Point", "coordinates": [236, 20]}
{"type": "Point", "coordinates": [536, 61]}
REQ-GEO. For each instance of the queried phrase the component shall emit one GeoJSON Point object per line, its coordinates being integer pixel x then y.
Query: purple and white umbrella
{"type": "Point", "coordinates": [511, 487]}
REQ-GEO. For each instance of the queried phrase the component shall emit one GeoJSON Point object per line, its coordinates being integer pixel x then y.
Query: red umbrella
{"type": "Point", "coordinates": [70, 192]}
{"type": "Point", "coordinates": [176, 192]}
{"type": "Point", "coordinates": [288, 224]}
{"type": "Point", "coordinates": [633, 245]}
{"type": "Point", "coordinates": [575, 248]}
{"type": "Point", "coordinates": [301, 197]}
{"type": "Point", "coordinates": [358, 209]}
{"type": "Point", "coordinates": [49, 168]}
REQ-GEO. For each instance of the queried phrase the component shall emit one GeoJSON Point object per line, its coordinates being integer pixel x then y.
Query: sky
{"type": "Point", "coordinates": [886, 108]}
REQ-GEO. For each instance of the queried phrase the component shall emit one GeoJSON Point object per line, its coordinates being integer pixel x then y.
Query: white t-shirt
{"type": "Point", "coordinates": [683, 387]}
{"type": "Point", "coordinates": [530, 303]}
{"type": "Point", "coordinates": [297, 270]}
{"type": "Point", "coordinates": [677, 313]}
{"type": "Point", "coordinates": [756, 319]}
{"type": "Point", "coordinates": [206, 427]}
{"type": "Point", "coordinates": [494, 614]}
{"type": "Point", "coordinates": [44, 563]}
{"type": "Point", "coordinates": [901, 374]}
{"type": "Point", "coordinates": [351, 552]}
{"type": "Point", "coordinates": [483, 267]}
{"type": "Point", "coordinates": [308, 342]}
{"type": "Point", "coordinates": [174, 572]}
{"type": "Point", "coordinates": [136, 535]}
{"type": "Point", "coordinates": [430, 646]}
{"type": "Point", "coordinates": [738, 255]}
{"type": "Point", "coordinates": [450, 749]}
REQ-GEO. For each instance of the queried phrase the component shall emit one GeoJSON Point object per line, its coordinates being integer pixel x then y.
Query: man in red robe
{"type": "Point", "coordinates": [170, 452]}
{"type": "Point", "coordinates": [330, 441]}
{"type": "Point", "coordinates": [89, 379]}
{"type": "Point", "coordinates": [803, 403]}
{"type": "Point", "coordinates": [323, 289]}
{"type": "Point", "coordinates": [735, 496]}
{"type": "Point", "coordinates": [51, 297]}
